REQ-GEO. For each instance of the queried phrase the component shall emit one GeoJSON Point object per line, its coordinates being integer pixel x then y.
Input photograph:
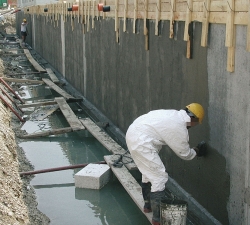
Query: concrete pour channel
{"type": "Point", "coordinates": [57, 196]}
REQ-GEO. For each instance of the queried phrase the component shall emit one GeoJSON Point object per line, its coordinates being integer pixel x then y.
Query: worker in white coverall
{"type": "Point", "coordinates": [145, 137]}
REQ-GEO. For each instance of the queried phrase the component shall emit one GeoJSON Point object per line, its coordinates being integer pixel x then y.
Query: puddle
{"type": "Point", "coordinates": [56, 193]}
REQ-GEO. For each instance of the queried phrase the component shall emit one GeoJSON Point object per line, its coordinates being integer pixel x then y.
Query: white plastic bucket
{"type": "Point", "coordinates": [173, 212]}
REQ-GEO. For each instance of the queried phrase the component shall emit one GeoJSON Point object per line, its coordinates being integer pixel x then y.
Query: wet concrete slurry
{"type": "Point", "coordinates": [56, 193]}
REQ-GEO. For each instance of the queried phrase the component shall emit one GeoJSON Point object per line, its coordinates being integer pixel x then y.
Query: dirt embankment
{"type": "Point", "coordinates": [12, 207]}
{"type": "Point", "coordinates": [17, 198]}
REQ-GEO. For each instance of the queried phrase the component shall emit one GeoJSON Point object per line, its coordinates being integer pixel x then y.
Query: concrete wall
{"type": "Point", "coordinates": [124, 81]}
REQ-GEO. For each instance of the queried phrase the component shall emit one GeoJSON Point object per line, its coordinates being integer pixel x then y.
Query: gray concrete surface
{"type": "Point", "coordinates": [123, 81]}
{"type": "Point", "coordinates": [228, 116]}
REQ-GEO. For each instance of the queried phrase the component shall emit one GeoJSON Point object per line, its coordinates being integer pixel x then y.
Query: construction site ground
{"type": "Point", "coordinates": [17, 198]}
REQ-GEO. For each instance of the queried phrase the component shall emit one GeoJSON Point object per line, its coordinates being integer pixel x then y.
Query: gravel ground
{"type": "Point", "coordinates": [18, 203]}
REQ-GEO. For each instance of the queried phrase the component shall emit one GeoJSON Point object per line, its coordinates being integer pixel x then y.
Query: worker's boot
{"type": "Point", "coordinates": [155, 198]}
{"type": "Point", "coordinates": [146, 189]}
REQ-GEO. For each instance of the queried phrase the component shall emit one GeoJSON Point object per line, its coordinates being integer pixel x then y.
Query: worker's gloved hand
{"type": "Point", "coordinates": [201, 149]}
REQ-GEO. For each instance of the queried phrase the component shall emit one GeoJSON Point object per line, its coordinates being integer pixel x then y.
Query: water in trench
{"type": "Point", "coordinates": [57, 195]}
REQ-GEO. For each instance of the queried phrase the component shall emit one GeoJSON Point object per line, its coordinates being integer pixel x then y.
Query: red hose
{"type": "Point", "coordinates": [59, 168]}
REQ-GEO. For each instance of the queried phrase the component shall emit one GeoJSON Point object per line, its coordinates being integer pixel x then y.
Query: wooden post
{"type": "Point", "coordinates": [93, 14]}
{"type": "Point", "coordinates": [116, 21]}
{"type": "Point", "coordinates": [125, 15]}
{"type": "Point", "coordinates": [172, 3]}
{"type": "Point", "coordinates": [104, 13]}
{"type": "Point", "coordinates": [230, 36]}
{"type": "Point", "coordinates": [248, 27]}
{"type": "Point", "coordinates": [145, 24]}
{"type": "Point", "coordinates": [231, 56]}
{"type": "Point", "coordinates": [157, 16]}
{"type": "Point", "coordinates": [230, 24]}
{"type": "Point", "coordinates": [205, 23]}
{"type": "Point", "coordinates": [47, 133]}
{"type": "Point", "coordinates": [135, 15]}
{"type": "Point", "coordinates": [88, 2]}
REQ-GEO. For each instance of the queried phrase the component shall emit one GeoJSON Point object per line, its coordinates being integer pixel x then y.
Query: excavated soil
{"type": "Point", "coordinates": [18, 203]}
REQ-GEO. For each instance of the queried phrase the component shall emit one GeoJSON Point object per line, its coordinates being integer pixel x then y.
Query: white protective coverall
{"type": "Point", "coordinates": [147, 134]}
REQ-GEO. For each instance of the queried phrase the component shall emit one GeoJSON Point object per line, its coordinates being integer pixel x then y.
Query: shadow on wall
{"type": "Point", "coordinates": [208, 180]}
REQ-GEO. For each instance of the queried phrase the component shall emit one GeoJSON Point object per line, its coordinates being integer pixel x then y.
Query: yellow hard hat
{"type": "Point", "coordinates": [24, 20]}
{"type": "Point", "coordinates": [197, 110]}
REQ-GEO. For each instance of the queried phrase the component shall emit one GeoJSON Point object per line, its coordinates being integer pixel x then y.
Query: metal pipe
{"type": "Point", "coordinates": [12, 109]}
{"type": "Point", "coordinates": [11, 90]}
{"type": "Point", "coordinates": [7, 95]}
{"type": "Point", "coordinates": [59, 168]}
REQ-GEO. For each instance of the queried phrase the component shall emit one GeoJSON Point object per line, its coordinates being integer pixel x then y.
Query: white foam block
{"type": "Point", "coordinates": [93, 176]}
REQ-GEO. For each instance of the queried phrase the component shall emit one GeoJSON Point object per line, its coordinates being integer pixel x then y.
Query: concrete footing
{"type": "Point", "coordinates": [93, 176]}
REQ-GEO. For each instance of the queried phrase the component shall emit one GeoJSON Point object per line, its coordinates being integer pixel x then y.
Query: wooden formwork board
{"type": "Point", "coordinates": [129, 183]}
{"type": "Point", "coordinates": [69, 115]}
{"type": "Point", "coordinates": [228, 12]}
{"type": "Point", "coordinates": [48, 112]}
{"type": "Point", "coordinates": [37, 104]}
{"type": "Point", "coordinates": [52, 76]}
{"type": "Point", "coordinates": [108, 142]}
{"type": "Point", "coordinates": [43, 103]}
{"type": "Point", "coordinates": [16, 80]}
{"type": "Point", "coordinates": [33, 61]}
{"type": "Point", "coordinates": [47, 133]}
{"type": "Point", "coordinates": [57, 89]}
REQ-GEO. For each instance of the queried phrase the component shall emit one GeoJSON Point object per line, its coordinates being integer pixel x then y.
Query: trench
{"type": "Point", "coordinates": [57, 196]}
